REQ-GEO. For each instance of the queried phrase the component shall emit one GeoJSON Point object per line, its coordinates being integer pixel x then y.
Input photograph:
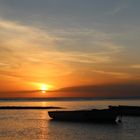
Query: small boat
{"type": "Point", "coordinates": [95, 115]}
{"type": "Point", "coordinates": [126, 110]}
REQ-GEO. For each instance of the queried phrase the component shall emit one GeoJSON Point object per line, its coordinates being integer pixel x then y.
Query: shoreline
{"type": "Point", "coordinates": [29, 107]}
{"type": "Point", "coordinates": [67, 99]}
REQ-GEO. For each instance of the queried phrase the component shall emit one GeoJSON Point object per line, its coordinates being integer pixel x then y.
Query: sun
{"type": "Point", "coordinates": [44, 87]}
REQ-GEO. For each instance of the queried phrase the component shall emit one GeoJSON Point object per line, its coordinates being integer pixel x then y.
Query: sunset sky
{"type": "Point", "coordinates": [69, 44]}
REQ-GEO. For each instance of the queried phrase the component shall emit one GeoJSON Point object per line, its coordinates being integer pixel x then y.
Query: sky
{"type": "Point", "coordinates": [69, 44]}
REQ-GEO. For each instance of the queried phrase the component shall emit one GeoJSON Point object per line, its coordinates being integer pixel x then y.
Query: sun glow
{"type": "Point", "coordinates": [44, 87]}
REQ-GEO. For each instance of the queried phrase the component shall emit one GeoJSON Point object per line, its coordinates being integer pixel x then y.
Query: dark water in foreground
{"type": "Point", "coordinates": [36, 124]}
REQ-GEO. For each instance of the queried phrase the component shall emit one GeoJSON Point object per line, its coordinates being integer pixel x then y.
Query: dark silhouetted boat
{"type": "Point", "coordinates": [95, 115]}
{"type": "Point", "coordinates": [126, 110]}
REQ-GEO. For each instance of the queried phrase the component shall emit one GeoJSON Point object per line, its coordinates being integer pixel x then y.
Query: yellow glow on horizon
{"type": "Point", "coordinates": [44, 87]}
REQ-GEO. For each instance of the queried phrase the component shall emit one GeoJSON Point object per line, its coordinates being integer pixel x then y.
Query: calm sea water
{"type": "Point", "coordinates": [36, 124]}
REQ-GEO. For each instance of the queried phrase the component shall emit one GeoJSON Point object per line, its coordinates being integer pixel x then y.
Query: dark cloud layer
{"type": "Point", "coordinates": [115, 90]}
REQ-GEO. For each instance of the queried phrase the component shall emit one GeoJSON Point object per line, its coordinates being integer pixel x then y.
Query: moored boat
{"type": "Point", "coordinates": [104, 115]}
{"type": "Point", "coordinates": [126, 110]}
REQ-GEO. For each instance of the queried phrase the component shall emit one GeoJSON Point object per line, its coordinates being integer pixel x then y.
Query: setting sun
{"type": "Point", "coordinates": [44, 87]}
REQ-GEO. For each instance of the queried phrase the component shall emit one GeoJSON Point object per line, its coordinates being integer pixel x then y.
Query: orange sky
{"type": "Point", "coordinates": [64, 49]}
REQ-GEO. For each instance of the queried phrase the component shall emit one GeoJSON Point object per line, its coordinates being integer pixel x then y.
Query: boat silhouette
{"type": "Point", "coordinates": [95, 115]}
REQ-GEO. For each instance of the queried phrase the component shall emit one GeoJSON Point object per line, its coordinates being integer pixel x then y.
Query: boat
{"type": "Point", "coordinates": [95, 115]}
{"type": "Point", "coordinates": [126, 110]}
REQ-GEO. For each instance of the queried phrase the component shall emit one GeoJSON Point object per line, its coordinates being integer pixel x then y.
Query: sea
{"type": "Point", "coordinates": [36, 124]}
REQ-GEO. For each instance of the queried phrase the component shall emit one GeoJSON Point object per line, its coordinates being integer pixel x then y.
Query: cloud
{"type": "Point", "coordinates": [105, 91]}
{"type": "Point", "coordinates": [136, 66]}
{"type": "Point", "coordinates": [30, 53]}
{"type": "Point", "coordinates": [121, 75]}
{"type": "Point", "coordinates": [34, 41]}
{"type": "Point", "coordinates": [80, 57]}
{"type": "Point", "coordinates": [120, 7]}
{"type": "Point", "coordinates": [3, 64]}
{"type": "Point", "coordinates": [23, 48]}
{"type": "Point", "coordinates": [16, 33]}
{"type": "Point", "coordinates": [84, 39]}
